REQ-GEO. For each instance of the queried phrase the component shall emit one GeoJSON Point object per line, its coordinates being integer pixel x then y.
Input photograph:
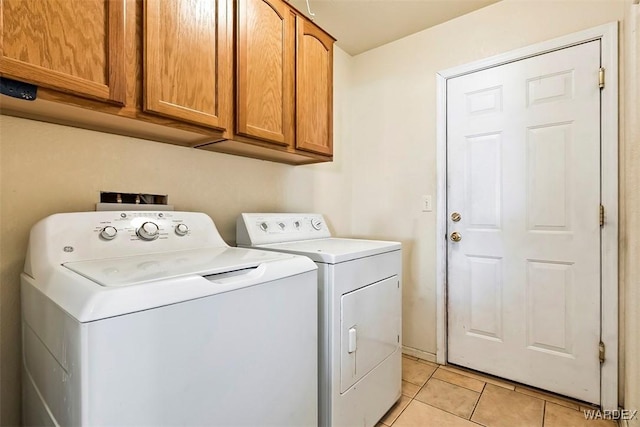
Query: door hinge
{"type": "Point", "coordinates": [601, 78]}
{"type": "Point", "coordinates": [601, 216]}
{"type": "Point", "coordinates": [601, 352]}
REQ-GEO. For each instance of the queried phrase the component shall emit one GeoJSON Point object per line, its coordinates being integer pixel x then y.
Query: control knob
{"type": "Point", "coordinates": [108, 233]}
{"type": "Point", "coordinates": [148, 231]}
{"type": "Point", "coordinates": [182, 229]}
{"type": "Point", "coordinates": [316, 223]}
{"type": "Point", "coordinates": [264, 226]}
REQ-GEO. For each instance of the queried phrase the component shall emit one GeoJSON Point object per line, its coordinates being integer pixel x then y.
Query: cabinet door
{"type": "Point", "coordinates": [265, 76]}
{"type": "Point", "coordinates": [314, 89]}
{"type": "Point", "coordinates": [187, 60]}
{"type": "Point", "coordinates": [75, 46]}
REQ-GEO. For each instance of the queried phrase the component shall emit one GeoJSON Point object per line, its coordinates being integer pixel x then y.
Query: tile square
{"type": "Point", "coordinates": [448, 397]}
{"type": "Point", "coordinates": [393, 413]}
{"type": "Point", "coordinates": [415, 372]}
{"type": "Point", "coordinates": [561, 416]}
{"type": "Point", "coordinates": [458, 379]}
{"type": "Point", "coordinates": [478, 376]}
{"type": "Point", "coordinates": [499, 407]}
{"type": "Point", "coordinates": [419, 414]}
{"type": "Point", "coordinates": [410, 390]}
{"type": "Point", "coordinates": [549, 397]}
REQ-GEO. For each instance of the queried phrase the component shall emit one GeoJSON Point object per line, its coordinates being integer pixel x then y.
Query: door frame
{"type": "Point", "coordinates": [608, 35]}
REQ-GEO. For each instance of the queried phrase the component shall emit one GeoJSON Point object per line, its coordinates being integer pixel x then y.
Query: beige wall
{"type": "Point", "coordinates": [47, 168]}
{"type": "Point", "coordinates": [394, 117]}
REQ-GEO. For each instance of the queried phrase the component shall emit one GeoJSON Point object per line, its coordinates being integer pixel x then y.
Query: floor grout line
{"type": "Point", "coordinates": [477, 402]}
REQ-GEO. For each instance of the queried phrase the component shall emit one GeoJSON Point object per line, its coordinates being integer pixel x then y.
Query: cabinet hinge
{"type": "Point", "coordinates": [601, 352]}
{"type": "Point", "coordinates": [601, 78]}
{"type": "Point", "coordinates": [601, 216]}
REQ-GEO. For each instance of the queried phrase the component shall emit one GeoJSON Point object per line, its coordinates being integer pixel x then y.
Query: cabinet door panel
{"type": "Point", "coordinates": [75, 46]}
{"type": "Point", "coordinates": [266, 37]}
{"type": "Point", "coordinates": [314, 89]}
{"type": "Point", "coordinates": [186, 59]}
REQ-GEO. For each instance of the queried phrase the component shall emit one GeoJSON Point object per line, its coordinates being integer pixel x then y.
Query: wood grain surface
{"type": "Point", "coordinates": [185, 41]}
{"type": "Point", "coordinates": [265, 73]}
{"type": "Point", "coordinates": [71, 45]}
{"type": "Point", "coordinates": [314, 89]}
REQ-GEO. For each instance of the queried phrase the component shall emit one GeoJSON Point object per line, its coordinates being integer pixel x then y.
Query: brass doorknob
{"type": "Point", "coordinates": [455, 217]}
{"type": "Point", "coordinates": [456, 237]}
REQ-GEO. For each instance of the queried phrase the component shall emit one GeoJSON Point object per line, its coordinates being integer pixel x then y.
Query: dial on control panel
{"type": "Point", "coordinates": [108, 233]}
{"type": "Point", "coordinates": [316, 223]}
{"type": "Point", "coordinates": [148, 231]}
{"type": "Point", "coordinates": [182, 229]}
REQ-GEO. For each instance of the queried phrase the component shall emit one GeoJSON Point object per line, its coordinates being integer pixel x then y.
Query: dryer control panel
{"type": "Point", "coordinates": [265, 228]}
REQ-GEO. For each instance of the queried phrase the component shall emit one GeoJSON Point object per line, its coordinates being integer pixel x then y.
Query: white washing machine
{"type": "Point", "coordinates": [360, 299]}
{"type": "Point", "coordinates": [150, 319]}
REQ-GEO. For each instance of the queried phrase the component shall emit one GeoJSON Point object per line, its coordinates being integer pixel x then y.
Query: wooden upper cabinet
{"type": "Point", "coordinates": [74, 46]}
{"type": "Point", "coordinates": [265, 70]}
{"type": "Point", "coordinates": [314, 89]}
{"type": "Point", "coordinates": [187, 61]}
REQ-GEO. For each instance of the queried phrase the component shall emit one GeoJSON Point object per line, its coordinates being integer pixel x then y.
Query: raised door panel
{"type": "Point", "coordinates": [265, 72]}
{"type": "Point", "coordinates": [75, 46]}
{"type": "Point", "coordinates": [314, 89]}
{"type": "Point", "coordinates": [187, 60]}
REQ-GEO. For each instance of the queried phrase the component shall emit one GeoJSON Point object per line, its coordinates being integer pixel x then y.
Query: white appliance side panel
{"type": "Point", "coordinates": [206, 361]}
{"type": "Point", "coordinates": [51, 393]}
{"type": "Point", "coordinates": [51, 361]}
{"type": "Point", "coordinates": [325, 343]}
{"type": "Point", "coordinates": [370, 329]}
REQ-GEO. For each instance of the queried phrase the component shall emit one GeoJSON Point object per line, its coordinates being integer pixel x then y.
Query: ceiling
{"type": "Point", "coordinates": [360, 25]}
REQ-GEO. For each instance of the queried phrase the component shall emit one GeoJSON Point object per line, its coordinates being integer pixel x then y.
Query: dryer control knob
{"type": "Point", "coordinates": [148, 231]}
{"type": "Point", "coordinates": [316, 223]}
{"type": "Point", "coordinates": [264, 226]}
{"type": "Point", "coordinates": [108, 233]}
{"type": "Point", "coordinates": [182, 229]}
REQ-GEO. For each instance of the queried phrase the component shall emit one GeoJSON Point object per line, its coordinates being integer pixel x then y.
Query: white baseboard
{"type": "Point", "coordinates": [429, 357]}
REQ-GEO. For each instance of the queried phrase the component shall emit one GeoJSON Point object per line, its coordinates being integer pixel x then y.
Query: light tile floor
{"type": "Point", "coordinates": [445, 396]}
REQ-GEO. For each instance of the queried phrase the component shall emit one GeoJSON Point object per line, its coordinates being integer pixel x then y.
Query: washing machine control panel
{"type": "Point", "coordinates": [265, 228]}
{"type": "Point", "coordinates": [78, 236]}
{"type": "Point", "coordinates": [145, 226]}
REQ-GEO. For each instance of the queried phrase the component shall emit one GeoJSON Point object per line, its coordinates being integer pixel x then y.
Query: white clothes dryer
{"type": "Point", "coordinates": [360, 306]}
{"type": "Point", "coordinates": [150, 318]}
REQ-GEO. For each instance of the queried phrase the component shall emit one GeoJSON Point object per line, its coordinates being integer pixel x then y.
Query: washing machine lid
{"type": "Point", "coordinates": [134, 270]}
{"type": "Point", "coordinates": [107, 288]}
{"type": "Point", "coordinates": [334, 250]}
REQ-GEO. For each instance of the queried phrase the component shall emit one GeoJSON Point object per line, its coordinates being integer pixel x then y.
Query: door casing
{"type": "Point", "coordinates": [608, 35]}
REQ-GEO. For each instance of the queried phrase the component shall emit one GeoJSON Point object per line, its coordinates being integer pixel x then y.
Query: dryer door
{"type": "Point", "coordinates": [370, 328]}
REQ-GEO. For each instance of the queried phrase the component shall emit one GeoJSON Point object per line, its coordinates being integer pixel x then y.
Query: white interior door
{"type": "Point", "coordinates": [523, 172]}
